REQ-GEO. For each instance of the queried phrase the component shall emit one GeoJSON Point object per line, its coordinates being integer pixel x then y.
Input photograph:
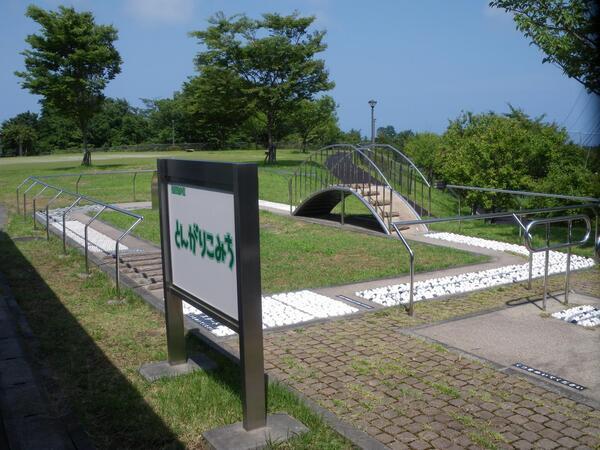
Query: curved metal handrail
{"type": "Point", "coordinates": [402, 155]}
{"type": "Point", "coordinates": [562, 219]}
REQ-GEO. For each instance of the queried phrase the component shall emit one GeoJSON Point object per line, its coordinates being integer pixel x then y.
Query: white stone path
{"type": "Point", "coordinates": [302, 306]}
{"type": "Point", "coordinates": [471, 281]}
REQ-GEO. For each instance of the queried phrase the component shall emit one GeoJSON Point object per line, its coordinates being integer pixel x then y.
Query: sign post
{"type": "Point", "coordinates": [211, 259]}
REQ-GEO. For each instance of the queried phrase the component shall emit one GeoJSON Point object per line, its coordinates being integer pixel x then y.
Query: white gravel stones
{"type": "Point", "coordinates": [97, 242]}
{"type": "Point", "coordinates": [585, 315]}
{"type": "Point", "coordinates": [281, 309]}
{"type": "Point", "coordinates": [471, 281]}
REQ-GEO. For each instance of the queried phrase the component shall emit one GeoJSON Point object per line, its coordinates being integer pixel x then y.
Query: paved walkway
{"type": "Point", "coordinates": [404, 392]}
{"type": "Point", "coordinates": [409, 393]}
{"type": "Point", "coordinates": [27, 418]}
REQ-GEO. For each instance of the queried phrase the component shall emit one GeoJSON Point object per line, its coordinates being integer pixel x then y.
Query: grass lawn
{"type": "Point", "coordinates": [94, 350]}
{"type": "Point", "coordinates": [298, 255]}
{"type": "Point", "coordinates": [273, 184]}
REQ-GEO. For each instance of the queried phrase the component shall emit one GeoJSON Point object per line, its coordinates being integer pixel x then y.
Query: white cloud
{"type": "Point", "coordinates": [160, 11]}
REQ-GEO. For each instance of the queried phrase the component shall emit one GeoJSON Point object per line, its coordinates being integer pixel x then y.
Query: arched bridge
{"type": "Point", "coordinates": [385, 180]}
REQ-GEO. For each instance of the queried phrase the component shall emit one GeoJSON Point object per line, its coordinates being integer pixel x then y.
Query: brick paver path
{"type": "Point", "coordinates": [408, 393]}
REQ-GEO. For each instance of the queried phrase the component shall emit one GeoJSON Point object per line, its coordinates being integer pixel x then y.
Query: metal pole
{"type": "Point", "coordinates": [459, 210]}
{"type": "Point", "coordinates": [134, 175]}
{"type": "Point", "coordinates": [290, 194]}
{"type": "Point", "coordinates": [63, 224]}
{"type": "Point", "coordinates": [77, 184]}
{"type": "Point", "coordinates": [25, 199]}
{"type": "Point", "coordinates": [117, 262]}
{"type": "Point", "coordinates": [343, 206]}
{"type": "Point", "coordinates": [47, 215]}
{"type": "Point", "coordinates": [546, 265]}
{"type": "Point", "coordinates": [34, 208]}
{"type": "Point", "coordinates": [530, 269]}
{"type": "Point", "coordinates": [372, 104]}
{"type": "Point", "coordinates": [85, 232]}
{"type": "Point", "coordinates": [411, 310]}
{"type": "Point", "coordinates": [568, 271]}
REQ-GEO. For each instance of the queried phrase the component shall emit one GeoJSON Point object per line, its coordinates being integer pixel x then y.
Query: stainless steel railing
{"type": "Point", "coordinates": [86, 174]}
{"type": "Point", "coordinates": [517, 215]}
{"type": "Point", "coordinates": [527, 231]}
{"type": "Point", "coordinates": [78, 198]}
{"type": "Point", "coordinates": [344, 166]}
{"type": "Point", "coordinates": [403, 174]}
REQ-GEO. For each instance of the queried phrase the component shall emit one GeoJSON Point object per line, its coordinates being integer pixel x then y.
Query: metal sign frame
{"type": "Point", "coordinates": [241, 180]}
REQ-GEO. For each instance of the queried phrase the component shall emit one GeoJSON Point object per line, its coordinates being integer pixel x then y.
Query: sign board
{"type": "Point", "coordinates": [202, 242]}
{"type": "Point", "coordinates": [211, 259]}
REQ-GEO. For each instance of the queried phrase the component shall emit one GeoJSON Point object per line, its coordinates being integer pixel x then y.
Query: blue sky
{"type": "Point", "coordinates": [423, 61]}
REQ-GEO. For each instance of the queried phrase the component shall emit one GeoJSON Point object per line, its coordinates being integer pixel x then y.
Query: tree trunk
{"type": "Point", "coordinates": [272, 156]}
{"type": "Point", "coordinates": [87, 155]}
{"type": "Point", "coordinates": [20, 146]}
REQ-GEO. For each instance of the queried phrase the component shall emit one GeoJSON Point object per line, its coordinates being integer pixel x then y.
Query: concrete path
{"type": "Point", "coordinates": [525, 334]}
{"type": "Point", "coordinates": [27, 419]}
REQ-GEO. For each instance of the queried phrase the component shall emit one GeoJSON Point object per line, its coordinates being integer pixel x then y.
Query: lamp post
{"type": "Point", "coordinates": [372, 104]}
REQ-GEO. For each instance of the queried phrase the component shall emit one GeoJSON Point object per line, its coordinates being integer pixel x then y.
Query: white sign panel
{"type": "Point", "coordinates": [203, 258]}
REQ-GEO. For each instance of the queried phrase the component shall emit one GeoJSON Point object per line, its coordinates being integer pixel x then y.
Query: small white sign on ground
{"type": "Point", "coordinates": [202, 239]}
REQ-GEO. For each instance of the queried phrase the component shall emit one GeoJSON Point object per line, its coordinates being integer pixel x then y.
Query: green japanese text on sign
{"type": "Point", "coordinates": [205, 244]}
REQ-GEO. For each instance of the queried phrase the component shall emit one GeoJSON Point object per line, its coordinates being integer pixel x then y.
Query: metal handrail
{"type": "Point", "coordinates": [529, 245]}
{"type": "Point", "coordinates": [402, 155]}
{"type": "Point", "coordinates": [309, 178]}
{"type": "Point", "coordinates": [80, 175]}
{"type": "Point", "coordinates": [85, 232]}
{"type": "Point", "coordinates": [524, 193]}
{"type": "Point", "coordinates": [78, 199]}
{"type": "Point", "coordinates": [523, 212]}
{"type": "Point", "coordinates": [411, 255]}
{"type": "Point", "coordinates": [34, 208]}
{"type": "Point", "coordinates": [58, 194]}
{"type": "Point", "coordinates": [562, 219]}
{"type": "Point", "coordinates": [117, 262]}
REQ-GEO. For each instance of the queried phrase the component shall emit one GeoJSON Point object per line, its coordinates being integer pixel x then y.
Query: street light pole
{"type": "Point", "coordinates": [372, 104]}
{"type": "Point", "coordinates": [172, 132]}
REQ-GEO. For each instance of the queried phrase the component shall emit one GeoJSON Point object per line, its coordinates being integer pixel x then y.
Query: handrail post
{"type": "Point", "coordinates": [117, 262]}
{"type": "Point", "coordinates": [85, 232]}
{"type": "Point", "coordinates": [34, 208]}
{"type": "Point", "coordinates": [568, 268]}
{"type": "Point", "coordinates": [17, 190]}
{"type": "Point", "coordinates": [547, 260]}
{"type": "Point", "coordinates": [64, 236]}
{"type": "Point", "coordinates": [411, 310]}
{"type": "Point", "coordinates": [47, 214]}
{"type": "Point", "coordinates": [77, 184]}
{"type": "Point", "coordinates": [343, 200]}
{"type": "Point", "coordinates": [134, 175]}
{"type": "Point", "coordinates": [290, 194]}
{"type": "Point", "coordinates": [35, 182]}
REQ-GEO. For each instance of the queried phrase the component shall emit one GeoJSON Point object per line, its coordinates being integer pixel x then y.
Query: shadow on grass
{"type": "Point", "coordinates": [111, 409]}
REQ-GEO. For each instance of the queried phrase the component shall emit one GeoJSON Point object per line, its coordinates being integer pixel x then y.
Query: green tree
{"type": "Point", "coordinates": [274, 57]}
{"type": "Point", "coordinates": [314, 120]}
{"type": "Point", "coordinates": [70, 63]}
{"type": "Point", "coordinates": [422, 148]}
{"type": "Point", "coordinates": [118, 123]}
{"type": "Point", "coordinates": [565, 30]}
{"type": "Point", "coordinates": [20, 133]}
{"type": "Point", "coordinates": [215, 106]}
{"type": "Point", "coordinates": [499, 151]}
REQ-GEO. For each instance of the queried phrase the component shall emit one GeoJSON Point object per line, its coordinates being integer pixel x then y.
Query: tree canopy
{"type": "Point", "coordinates": [273, 57]}
{"type": "Point", "coordinates": [69, 64]}
{"type": "Point", "coordinates": [565, 30]}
